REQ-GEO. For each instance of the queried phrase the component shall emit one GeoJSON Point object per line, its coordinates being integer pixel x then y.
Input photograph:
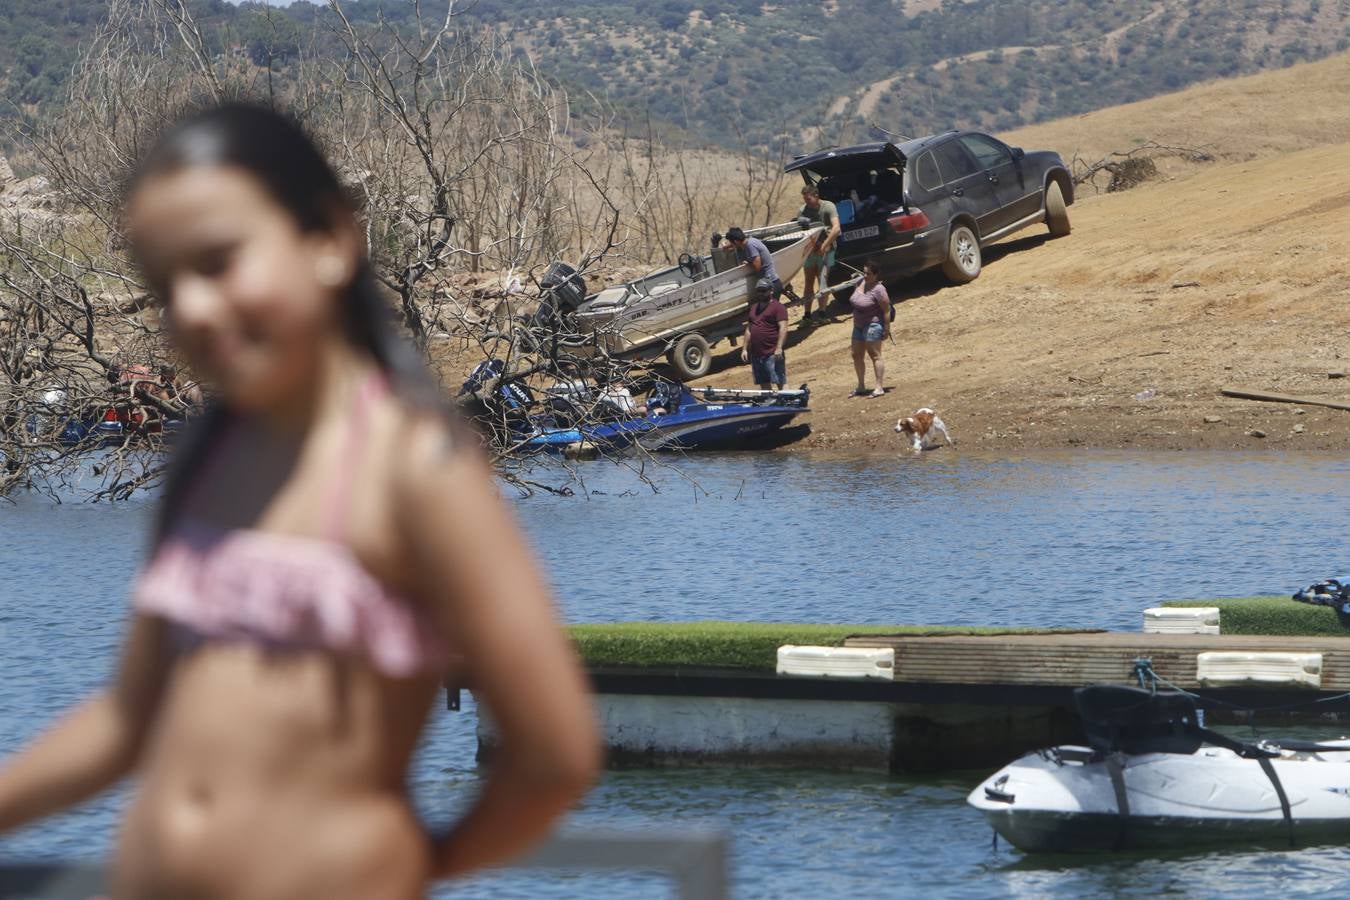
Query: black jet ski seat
{"type": "Point", "coordinates": [1118, 718]}
{"type": "Point", "coordinates": [1121, 721]}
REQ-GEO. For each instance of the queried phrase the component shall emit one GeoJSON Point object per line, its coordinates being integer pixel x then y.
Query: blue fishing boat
{"type": "Point", "coordinates": [573, 415]}
{"type": "Point", "coordinates": [681, 419]}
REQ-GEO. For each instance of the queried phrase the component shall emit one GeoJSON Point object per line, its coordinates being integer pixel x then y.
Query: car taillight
{"type": "Point", "coordinates": [912, 220]}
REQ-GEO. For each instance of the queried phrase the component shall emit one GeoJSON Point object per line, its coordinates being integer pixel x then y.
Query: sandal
{"type": "Point", "coordinates": [879, 392]}
{"type": "Point", "coordinates": [860, 392]}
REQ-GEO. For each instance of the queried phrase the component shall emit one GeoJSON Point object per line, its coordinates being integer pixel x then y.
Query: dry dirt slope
{"type": "Point", "coordinates": [1225, 274]}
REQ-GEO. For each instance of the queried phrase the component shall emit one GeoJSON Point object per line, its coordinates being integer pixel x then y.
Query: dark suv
{"type": "Point", "coordinates": [935, 200]}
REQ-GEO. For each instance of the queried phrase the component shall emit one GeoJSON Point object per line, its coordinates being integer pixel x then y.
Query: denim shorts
{"type": "Point", "coordinates": [874, 331]}
{"type": "Point", "coordinates": [768, 369]}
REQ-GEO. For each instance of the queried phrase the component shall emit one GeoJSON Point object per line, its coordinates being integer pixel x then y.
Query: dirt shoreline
{"type": "Point", "coordinates": [1122, 334]}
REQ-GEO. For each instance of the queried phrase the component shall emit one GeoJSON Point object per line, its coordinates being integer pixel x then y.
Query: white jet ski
{"type": "Point", "coordinates": [1154, 777]}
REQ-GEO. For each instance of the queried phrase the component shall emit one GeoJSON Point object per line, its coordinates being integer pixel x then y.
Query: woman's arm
{"type": "Point", "coordinates": [472, 567]}
{"type": "Point", "coordinates": [884, 305]}
{"type": "Point", "coordinates": [96, 744]}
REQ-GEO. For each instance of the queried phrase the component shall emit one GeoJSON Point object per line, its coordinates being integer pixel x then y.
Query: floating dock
{"type": "Point", "coordinates": [952, 701]}
{"type": "Point", "coordinates": [1073, 660]}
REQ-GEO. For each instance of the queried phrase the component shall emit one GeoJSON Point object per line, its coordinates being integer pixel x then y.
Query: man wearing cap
{"type": "Point", "coordinates": [757, 258]}
{"type": "Point", "coordinates": [765, 332]}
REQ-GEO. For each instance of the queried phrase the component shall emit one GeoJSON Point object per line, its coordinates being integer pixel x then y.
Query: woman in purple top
{"type": "Point", "coordinates": [871, 326]}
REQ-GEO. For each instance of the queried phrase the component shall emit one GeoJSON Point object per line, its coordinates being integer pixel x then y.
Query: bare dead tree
{"type": "Point", "coordinates": [1129, 168]}
{"type": "Point", "coordinates": [464, 160]}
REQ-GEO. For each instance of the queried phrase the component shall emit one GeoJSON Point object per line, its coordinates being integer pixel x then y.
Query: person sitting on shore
{"type": "Point", "coordinates": [755, 255]}
{"type": "Point", "coordinates": [871, 325]}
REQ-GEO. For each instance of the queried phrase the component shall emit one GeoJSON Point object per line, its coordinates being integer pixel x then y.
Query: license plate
{"type": "Point", "coordinates": [869, 231]}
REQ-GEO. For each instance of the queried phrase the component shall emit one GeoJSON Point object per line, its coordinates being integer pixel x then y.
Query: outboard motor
{"type": "Point", "coordinates": [564, 290]}
{"type": "Point", "coordinates": [516, 399]}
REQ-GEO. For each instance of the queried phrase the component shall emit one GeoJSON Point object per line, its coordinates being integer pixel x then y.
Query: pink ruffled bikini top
{"type": "Point", "coordinates": [288, 591]}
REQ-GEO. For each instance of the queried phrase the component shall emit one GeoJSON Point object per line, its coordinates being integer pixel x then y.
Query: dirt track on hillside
{"type": "Point", "coordinates": [1122, 334]}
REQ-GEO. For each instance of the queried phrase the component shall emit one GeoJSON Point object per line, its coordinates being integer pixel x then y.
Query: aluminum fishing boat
{"type": "Point", "coordinates": [683, 310]}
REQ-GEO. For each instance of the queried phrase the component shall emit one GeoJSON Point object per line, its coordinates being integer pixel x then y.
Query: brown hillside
{"type": "Point", "coordinates": [1241, 118]}
{"type": "Point", "coordinates": [1236, 275]}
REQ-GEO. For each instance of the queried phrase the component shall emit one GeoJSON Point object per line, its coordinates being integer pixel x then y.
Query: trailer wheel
{"type": "Point", "coordinates": [690, 357]}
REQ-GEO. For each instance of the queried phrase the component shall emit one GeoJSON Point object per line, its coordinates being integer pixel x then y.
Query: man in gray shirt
{"type": "Point", "coordinates": [752, 252]}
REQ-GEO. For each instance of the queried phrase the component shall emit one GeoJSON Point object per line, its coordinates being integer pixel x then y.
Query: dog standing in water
{"type": "Point", "coordinates": [920, 429]}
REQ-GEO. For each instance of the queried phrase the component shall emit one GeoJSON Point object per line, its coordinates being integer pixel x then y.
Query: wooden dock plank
{"type": "Point", "coordinates": [1076, 659]}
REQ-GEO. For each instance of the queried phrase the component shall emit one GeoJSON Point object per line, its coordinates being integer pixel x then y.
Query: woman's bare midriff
{"type": "Point", "coordinates": [277, 774]}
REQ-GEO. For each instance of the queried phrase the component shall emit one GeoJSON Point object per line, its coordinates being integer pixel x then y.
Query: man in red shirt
{"type": "Point", "coordinates": [765, 331]}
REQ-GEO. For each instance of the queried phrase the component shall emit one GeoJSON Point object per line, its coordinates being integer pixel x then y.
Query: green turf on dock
{"type": "Point", "coordinates": [739, 645]}
{"type": "Point", "coordinates": [1271, 615]}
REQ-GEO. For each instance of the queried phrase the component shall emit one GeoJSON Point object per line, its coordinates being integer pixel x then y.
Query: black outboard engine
{"type": "Point", "coordinates": [564, 290]}
{"type": "Point", "coordinates": [516, 401]}
{"type": "Point", "coordinates": [565, 283]}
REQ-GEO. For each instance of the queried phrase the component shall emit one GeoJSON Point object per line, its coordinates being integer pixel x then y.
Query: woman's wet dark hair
{"type": "Point", "coordinates": [274, 149]}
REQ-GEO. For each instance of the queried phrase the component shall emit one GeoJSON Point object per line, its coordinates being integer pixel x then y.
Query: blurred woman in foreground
{"type": "Point", "coordinates": [326, 545]}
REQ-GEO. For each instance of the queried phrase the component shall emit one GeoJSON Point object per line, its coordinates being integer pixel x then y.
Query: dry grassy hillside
{"type": "Point", "coordinates": [1235, 273]}
{"type": "Point", "coordinates": [1242, 118]}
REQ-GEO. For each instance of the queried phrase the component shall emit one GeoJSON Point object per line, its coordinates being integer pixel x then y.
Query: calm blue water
{"type": "Point", "coordinates": [1088, 539]}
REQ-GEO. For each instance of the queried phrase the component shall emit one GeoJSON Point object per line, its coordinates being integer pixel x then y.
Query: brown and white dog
{"type": "Point", "coordinates": [920, 429]}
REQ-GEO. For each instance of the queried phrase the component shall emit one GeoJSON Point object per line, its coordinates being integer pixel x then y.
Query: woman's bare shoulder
{"type": "Point", "coordinates": [430, 451]}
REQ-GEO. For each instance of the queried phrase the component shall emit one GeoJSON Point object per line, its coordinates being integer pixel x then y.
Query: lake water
{"type": "Point", "coordinates": [1085, 540]}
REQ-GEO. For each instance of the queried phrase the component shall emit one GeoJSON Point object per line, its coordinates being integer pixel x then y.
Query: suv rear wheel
{"type": "Point", "coordinates": [1056, 213]}
{"type": "Point", "coordinates": [963, 255]}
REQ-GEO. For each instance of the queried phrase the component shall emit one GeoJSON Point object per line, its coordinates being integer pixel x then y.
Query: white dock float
{"type": "Point", "coordinates": [836, 662]}
{"type": "Point", "coordinates": [1225, 669]}
{"type": "Point", "coordinates": [1181, 620]}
